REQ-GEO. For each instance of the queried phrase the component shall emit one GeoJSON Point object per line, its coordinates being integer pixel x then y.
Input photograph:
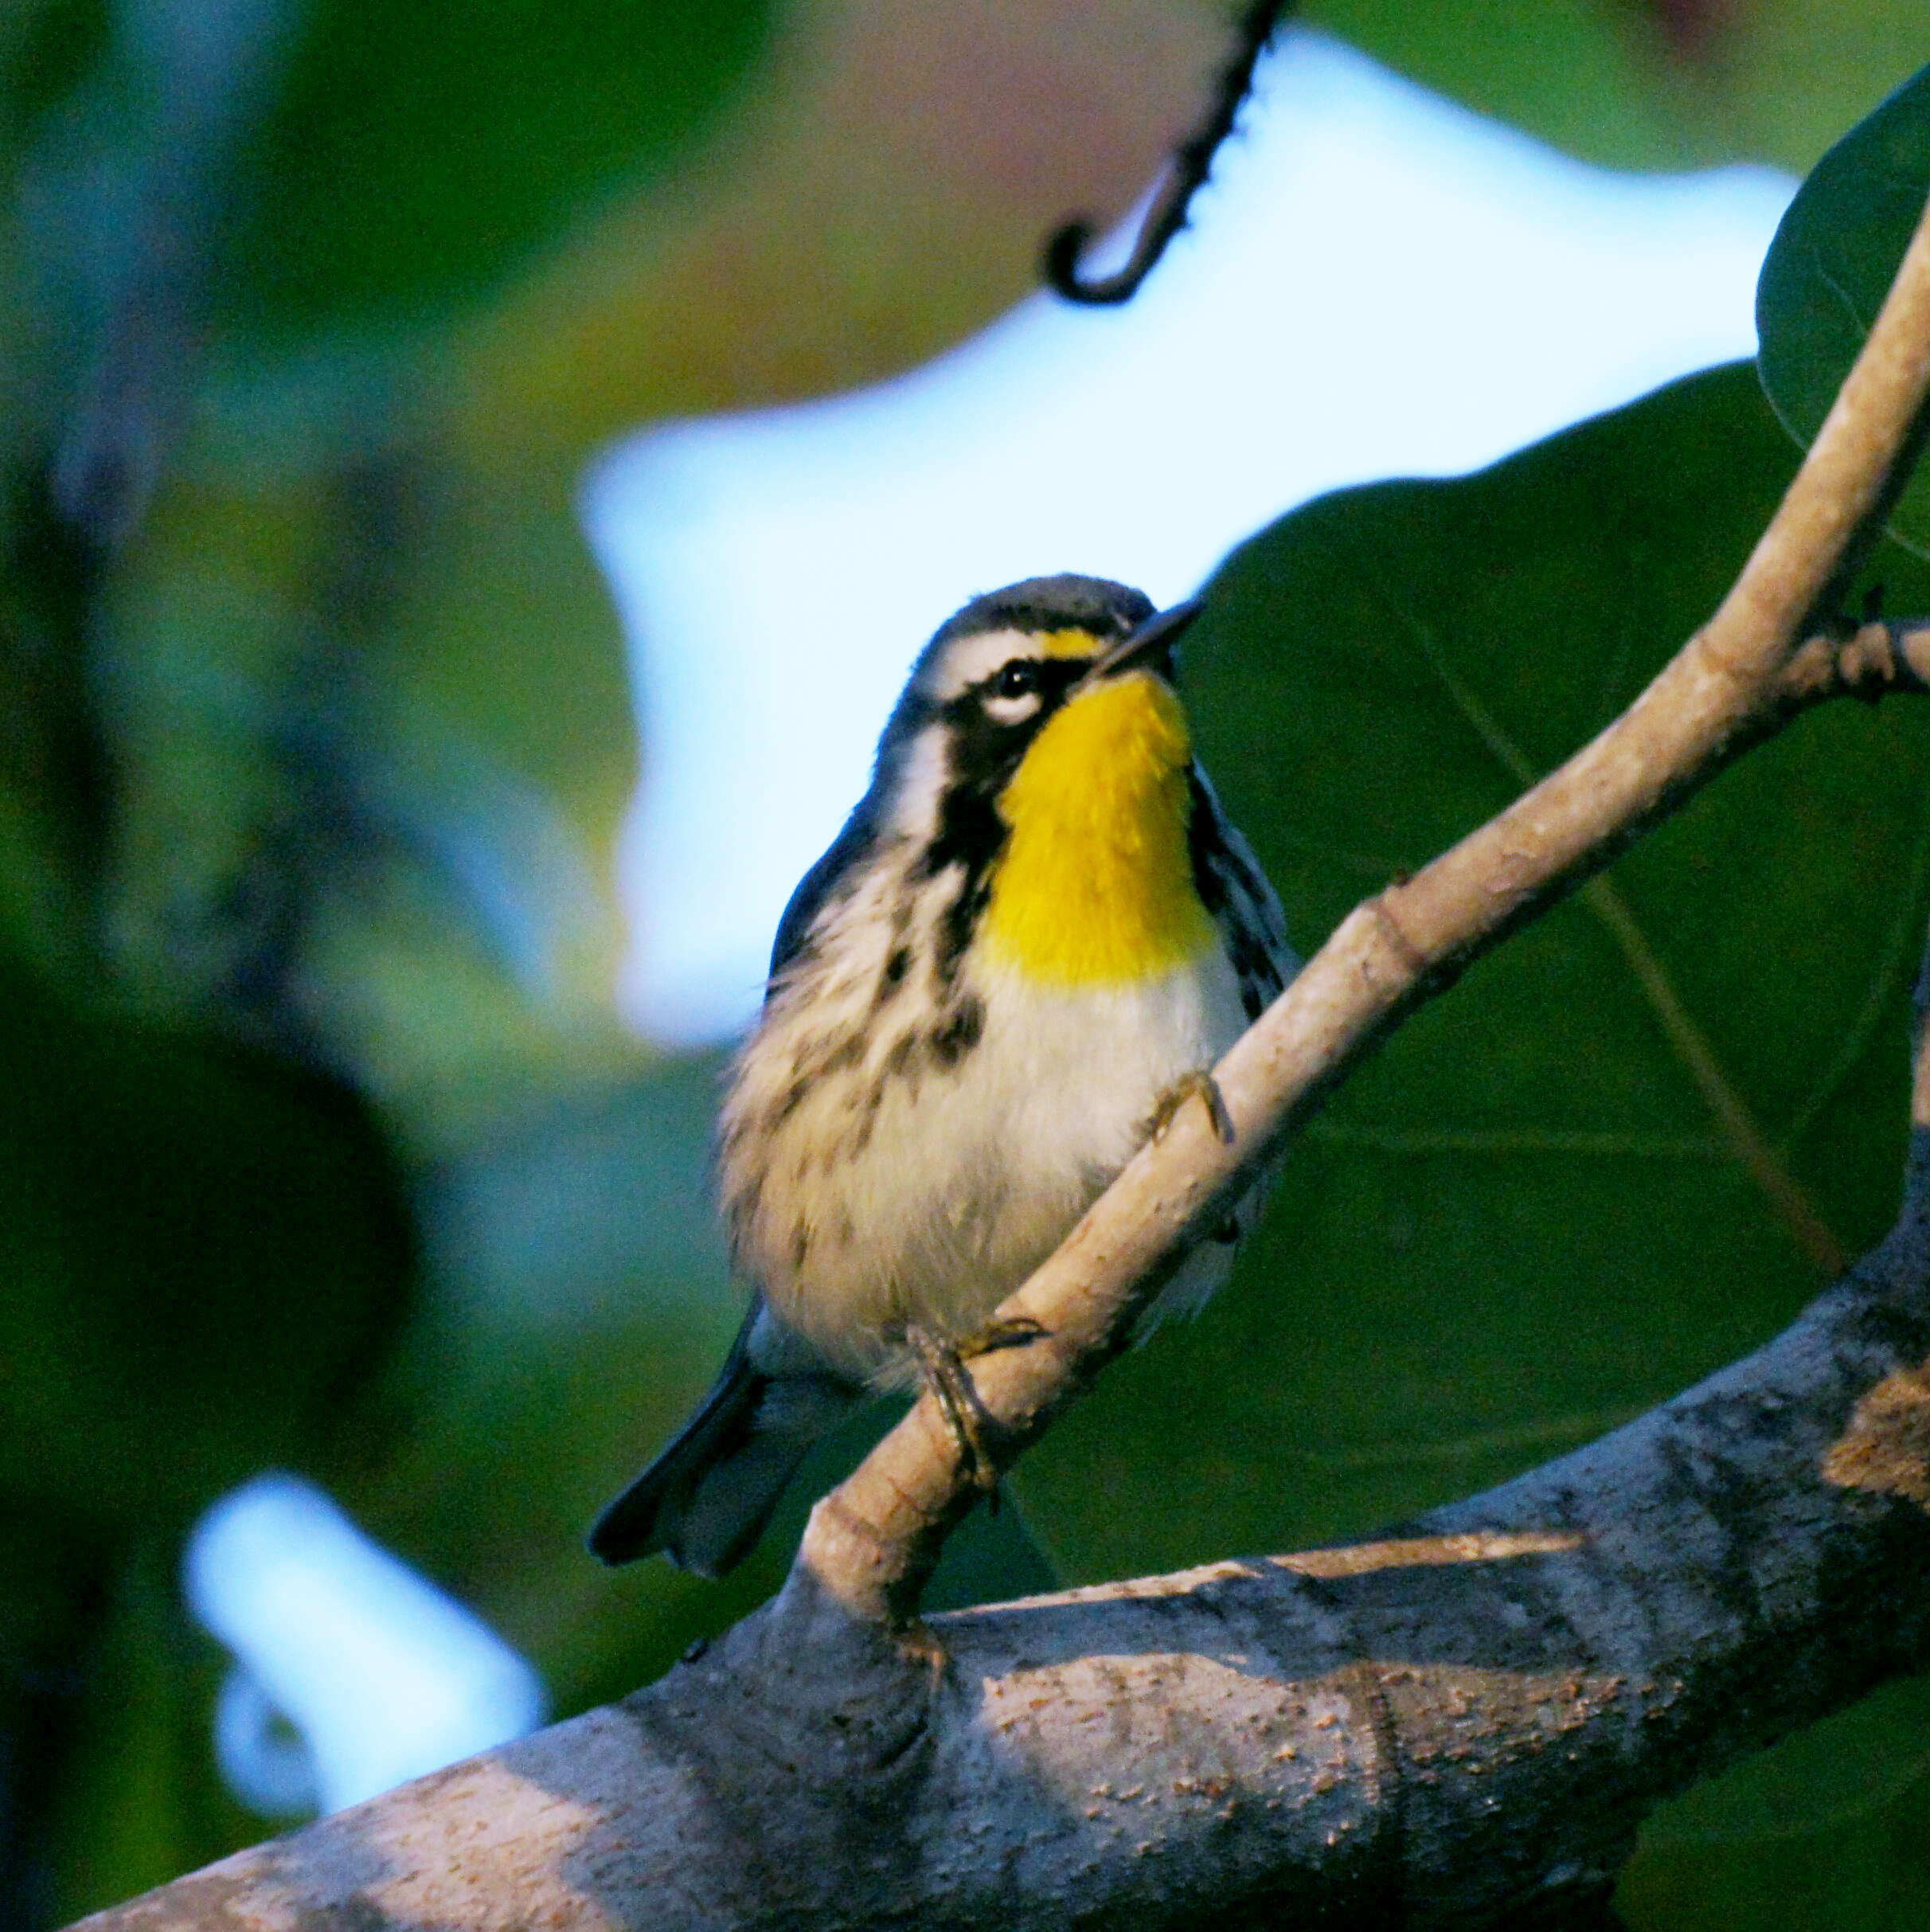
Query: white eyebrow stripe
{"type": "Point", "coordinates": [972, 658]}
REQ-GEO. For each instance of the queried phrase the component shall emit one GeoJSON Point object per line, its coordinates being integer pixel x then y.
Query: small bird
{"type": "Point", "coordinates": [1032, 938]}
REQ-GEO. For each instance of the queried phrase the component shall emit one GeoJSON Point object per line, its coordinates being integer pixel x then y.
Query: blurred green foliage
{"type": "Point", "coordinates": [415, 155]}
{"type": "Point", "coordinates": [321, 1144]}
{"type": "Point", "coordinates": [1651, 84]}
{"type": "Point", "coordinates": [203, 1247]}
{"type": "Point", "coordinates": [1831, 1828]}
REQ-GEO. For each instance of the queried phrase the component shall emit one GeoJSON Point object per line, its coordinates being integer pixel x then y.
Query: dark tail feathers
{"type": "Point", "coordinates": [705, 1500]}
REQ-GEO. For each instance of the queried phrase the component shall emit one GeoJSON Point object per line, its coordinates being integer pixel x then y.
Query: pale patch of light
{"type": "Point", "coordinates": [353, 1674]}
{"type": "Point", "coordinates": [1377, 284]}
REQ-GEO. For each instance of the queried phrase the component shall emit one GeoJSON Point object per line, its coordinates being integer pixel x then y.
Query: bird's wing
{"type": "Point", "coordinates": [808, 900]}
{"type": "Point", "coordinates": [1236, 892]}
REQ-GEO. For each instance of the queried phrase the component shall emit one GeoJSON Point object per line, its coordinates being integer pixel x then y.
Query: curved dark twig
{"type": "Point", "coordinates": [1185, 173]}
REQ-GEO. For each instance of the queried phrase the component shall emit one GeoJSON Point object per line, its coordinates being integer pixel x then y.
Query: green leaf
{"type": "Point", "coordinates": [1821, 1780]}
{"type": "Point", "coordinates": [1823, 1851]}
{"type": "Point", "coordinates": [1831, 264]}
{"type": "Point", "coordinates": [1564, 72]}
{"type": "Point", "coordinates": [1526, 1221]}
{"type": "Point", "coordinates": [415, 154]}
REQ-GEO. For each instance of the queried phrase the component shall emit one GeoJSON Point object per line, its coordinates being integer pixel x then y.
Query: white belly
{"type": "Point", "coordinates": [969, 1176]}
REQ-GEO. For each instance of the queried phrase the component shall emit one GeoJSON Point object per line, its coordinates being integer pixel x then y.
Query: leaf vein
{"type": "Point", "coordinates": [1813, 1236]}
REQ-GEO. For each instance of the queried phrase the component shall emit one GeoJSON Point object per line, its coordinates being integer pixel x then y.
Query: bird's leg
{"type": "Point", "coordinates": [1199, 1085]}
{"type": "Point", "coordinates": [941, 1367]}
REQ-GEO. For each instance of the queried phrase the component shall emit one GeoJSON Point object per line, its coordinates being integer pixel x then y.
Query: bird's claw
{"type": "Point", "coordinates": [1199, 1086]}
{"type": "Point", "coordinates": [941, 1367]}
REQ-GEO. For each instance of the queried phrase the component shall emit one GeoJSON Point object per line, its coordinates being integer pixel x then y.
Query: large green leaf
{"type": "Point", "coordinates": [1822, 1780]}
{"type": "Point", "coordinates": [1830, 265]}
{"type": "Point", "coordinates": [1826, 1848]}
{"type": "Point", "coordinates": [1527, 1220]}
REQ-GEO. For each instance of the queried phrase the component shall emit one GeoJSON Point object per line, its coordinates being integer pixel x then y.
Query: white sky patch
{"type": "Point", "coordinates": [1377, 284]}
{"type": "Point", "coordinates": [378, 1674]}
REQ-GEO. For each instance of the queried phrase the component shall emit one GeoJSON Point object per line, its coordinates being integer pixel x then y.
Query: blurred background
{"type": "Point", "coordinates": [474, 480]}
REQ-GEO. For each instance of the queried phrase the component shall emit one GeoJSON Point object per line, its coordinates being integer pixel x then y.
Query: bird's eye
{"type": "Point", "coordinates": [1018, 679]}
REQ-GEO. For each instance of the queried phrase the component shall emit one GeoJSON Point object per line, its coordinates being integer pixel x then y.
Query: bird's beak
{"type": "Point", "coordinates": [1153, 641]}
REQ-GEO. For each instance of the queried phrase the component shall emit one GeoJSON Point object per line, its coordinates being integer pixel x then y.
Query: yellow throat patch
{"type": "Point", "coordinates": [1095, 882]}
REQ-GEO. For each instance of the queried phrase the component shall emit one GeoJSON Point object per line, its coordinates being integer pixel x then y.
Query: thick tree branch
{"type": "Point", "coordinates": [1466, 1717]}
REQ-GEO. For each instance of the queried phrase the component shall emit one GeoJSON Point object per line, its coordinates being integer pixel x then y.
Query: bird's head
{"type": "Point", "coordinates": [1040, 746]}
{"type": "Point", "coordinates": [1066, 679]}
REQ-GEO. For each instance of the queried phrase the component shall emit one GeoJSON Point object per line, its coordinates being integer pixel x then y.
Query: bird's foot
{"type": "Point", "coordinates": [1013, 1331]}
{"type": "Point", "coordinates": [941, 1368]}
{"type": "Point", "coordinates": [1201, 1085]}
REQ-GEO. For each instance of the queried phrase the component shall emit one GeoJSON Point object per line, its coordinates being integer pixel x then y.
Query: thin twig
{"type": "Point", "coordinates": [871, 1542]}
{"type": "Point", "coordinates": [1869, 662]}
{"type": "Point", "coordinates": [1186, 174]}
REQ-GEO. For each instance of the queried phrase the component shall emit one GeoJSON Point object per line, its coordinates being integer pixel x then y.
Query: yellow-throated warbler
{"type": "Point", "coordinates": [1037, 929]}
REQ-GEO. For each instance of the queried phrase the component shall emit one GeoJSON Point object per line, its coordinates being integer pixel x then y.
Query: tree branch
{"type": "Point", "coordinates": [1869, 663]}
{"type": "Point", "coordinates": [872, 1542]}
